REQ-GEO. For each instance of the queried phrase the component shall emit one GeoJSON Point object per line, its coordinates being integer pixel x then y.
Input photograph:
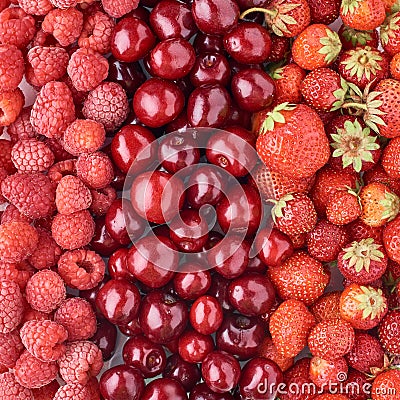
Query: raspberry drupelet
{"type": "Point", "coordinates": [11, 306]}
{"type": "Point", "coordinates": [11, 67]}
{"type": "Point", "coordinates": [47, 251]}
{"type": "Point", "coordinates": [95, 170]}
{"type": "Point", "coordinates": [72, 391]}
{"type": "Point", "coordinates": [11, 348]}
{"type": "Point", "coordinates": [11, 389]}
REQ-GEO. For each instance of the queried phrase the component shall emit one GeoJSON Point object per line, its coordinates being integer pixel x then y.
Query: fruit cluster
{"type": "Point", "coordinates": [123, 229]}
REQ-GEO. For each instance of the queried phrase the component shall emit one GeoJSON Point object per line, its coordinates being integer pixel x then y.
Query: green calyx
{"type": "Point", "coordinates": [279, 205]}
{"type": "Point", "coordinates": [354, 144]}
{"type": "Point", "coordinates": [350, 6]}
{"type": "Point", "coordinates": [275, 116]}
{"type": "Point", "coordinates": [363, 62]}
{"type": "Point", "coordinates": [360, 254]}
{"type": "Point", "coordinates": [391, 206]}
{"type": "Point", "coordinates": [357, 38]}
{"type": "Point", "coordinates": [371, 302]}
{"type": "Point", "coordinates": [389, 27]}
{"type": "Point", "coordinates": [340, 95]}
{"type": "Point", "coordinates": [331, 46]}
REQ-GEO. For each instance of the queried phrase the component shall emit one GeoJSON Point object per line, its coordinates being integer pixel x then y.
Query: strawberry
{"type": "Point", "coordinates": [379, 204]}
{"type": "Point", "coordinates": [378, 174]}
{"type": "Point", "coordinates": [298, 241]}
{"type": "Point", "coordinates": [386, 386]}
{"type": "Point", "coordinates": [324, 11]}
{"type": "Point", "coordinates": [326, 240]}
{"type": "Point", "coordinates": [394, 66]}
{"type": "Point", "coordinates": [331, 339]}
{"type": "Point", "coordinates": [294, 214]}
{"type": "Point", "coordinates": [363, 15]}
{"type": "Point", "coordinates": [391, 159]}
{"type": "Point", "coordinates": [389, 332]}
{"type": "Point", "coordinates": [326, 307]}
{"type": "Point", "coordinates": [391, 6]}
{"type": "Point", "coordinates": [352, 38]}
{"type": "Point", "coordinates": [317, 46]}
{"type": "Point", "coordinates": [280, 47]}
{"type": "Point", "coordinates": [343, 207]}
{"type": "Point", "coordinates": [390, 34]}
{"type": "Point", "coordinates": [287, 83]}
{"type": "Point", "coordinates": [391, 239]}
{"type": "Point", "coordinates": [324, 372]}
{"type": "Point", "coordinates": [298, 377]}
{"type": "Point", "coordinates": [357, 231]}
{"type": "Point", "coordinates": [300, 277]}
{"type": "Point", "coordinates": [290, 326]}
{"type": "Point", "coordinates": [329, 396]}
{"type": "Point", "coordinates": [362, 306]}
{"type": "Point", "coordinates": [267, 349]}
{"type": "Point", "coordinates": [293, 136]}
{"type": "Point", "coordinates": [363, 262]}
{"type": "Point", "coordinates": [356, 379]}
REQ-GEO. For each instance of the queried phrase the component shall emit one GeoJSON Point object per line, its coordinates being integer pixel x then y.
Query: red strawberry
{"type": "Point", "coordinates": [299, 241]}
{"type": "Point", "coordinates": [298, 376]}
{"type": "Point", "coordinates": [391, 239]}
{"type": "Point", "coordinates": [362, 14]}
{"type": "Point", "coordinates": [293, 136]}
{"type": "Point", "coordinates": [287, 83]}
{"type": "Point", "coordinates": [352, 38]}
{"type": "Point", "coordinates": [324, 372]}
{"type": "Point", "coordinates": [386, 386]}
{"type": "Point", "coordinates": [391, 6]}
{"type": "Point", "coordinates": [389, 332]}
{"type": "Point", "coordinates": [356, 379]}
{"type": "Point", "coordinates": [343, 207]}
{"type": "Point", "coordinates": [357, 231]}
{"type": "Point", "coordinates": [390, 34]}
{"type": "Point", "coordinates": [326, 307]}
{"type": "Point", "coordinates": [378, 174]}
{"type": "Point", "coordinates": [391, 159]}
{"type": "Point", "coordinates": [324, 11]}
{"type": "Point", "coordinates": [267, 349]}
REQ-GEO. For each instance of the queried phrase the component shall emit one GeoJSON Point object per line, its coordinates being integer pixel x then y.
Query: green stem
{"type": "Point", "coordinates": [257, 9]}
{"type": "Point", "coordinates": [358, 106]}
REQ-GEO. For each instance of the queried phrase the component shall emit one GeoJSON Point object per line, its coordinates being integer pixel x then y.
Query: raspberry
{"type": "Point", "coordinates": [32, 155]}
{"type": "Point", "coordinates": [53, 110]}
{"type": "Point", "coordinates": [64, 4]}
{"type": "Point", "coordinates": [5, 156]}
{"type": "Point", "coordinates": [19, 273]}
{"type": "Point", "coordinates": [87, 69]}
{"type": "Point", "coordinates": [33, 373]}
{"type": "Point", "coordinates": [32, 193]}
{"type": "Point", "coordinates": [74, 230]}
{"type": "Point", "coordinates": [46, 392]}
{"type": "Point", "coordinates": [36, 7]}
{"type": "Point", "coordinates": [11, 104]}
{"type": "Point", "coordinates": [118, 8]}
{"type": "Point", "coordinates": [44, 39]}
{"type": "Point", "coordinates": [72, 195]}
{"type": "Point", "coordinates": [48, 63]}
{"type": "Point", "coordinates": [64, 25]}
{"type": "Point", "coordinates": [62, 168]}
{"type": "Point", "coordinates": [11, 305]}
{"type": "Point", "coordinates": [11, 348]}
{"type": "Point", "coordinates": [77, 317]}
{"type": "Point", "coordinates": [12, 214]}
{"type": "Point", "coordinates": [81, 361]}
{"type": "Point", "coordinates": [34, 315]}
{"type": "Point", "coordinates": [3, 175]}
{"type": "Point", "coordinates": [22, 128]}
{"type": "Point", "coordinates": [18, 240]}
{"type": "Point", "coordinates": [81, 269]}
{"type": "Point", "coordinates": [16, 27]}
{"type": "Point", "coordinates": [45, 291]}
{"type": "Point", "coordinates": [47, 252]}
{"type": "Point", "coordinates": [44, 339]}
{"type": "Point", "coordinates": [10, 389]}
{"type": "Point", "coordinates": [4, 4]}
{"type": "Point", "coordinates": [84, 136]}
{"type": "Point", "coordinates": [79, 97]}
{"type": "Point", "coordinates": [93, 387]}
{"type": "Point", "coordinates": [60, 154]}
{"type": "Point", "coordinates": [11, 67]}
{"type": "Point", "coordinates": [72, 391]}
{"type": "Point", "coordinates": [95, 170]}
{"type": "Point", "coordinates": [102, 200]}
{"type": "Point", "coordinates": [107, 104]}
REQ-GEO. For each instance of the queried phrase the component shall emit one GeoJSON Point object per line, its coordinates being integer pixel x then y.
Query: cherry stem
{"type": "Point", "coordinates": [256, 9]}
{"type": "Point", "coordinates": [358, 106]}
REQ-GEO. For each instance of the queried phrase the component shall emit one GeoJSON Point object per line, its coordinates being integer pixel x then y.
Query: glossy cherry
{"type": "Point", "coordinates": [118, 265]}
{"type": "Point", "coordinates": [186, 373]}
{"type": "Point", "coordinates": [193, 346]}
{"type": "Point", "coordinates": [256, 265]}
{"type": "Point", "coordinates": [132, 328]}
{"type": "Point", "coordinates": [148, 357]}
{"type": "Point", "coordinates": [191, 285]}
{"type": "Point", "coordinates": [204, 43]}
{"type": "Point", "coordinates": [203, 392]}
{"type": "Point", "coordinates": [238, 117]}
{"type": "Point", "coordinates": [90, 295]}
{"type": "Point", "coordinates": [220, 290]}
{"type": "Point", "coordinates": [206, 315]}
{"type": "Point", "coordinates": [140, 12]}
{"type": "Point", "coordinates": [102, 242]}
{"type": "Point", "coordinates": [164, 389]}
{"type": "Point", "coordinates": [210, 69]}
{"type": "Point", "coordinates": [105, 338]}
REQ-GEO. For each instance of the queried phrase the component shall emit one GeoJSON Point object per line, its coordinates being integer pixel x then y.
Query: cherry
{"type": "Point", "coordinates": [238, 117]}
{"type": "Point", "coordinates": [204, 43]}
{"type": "Point", "coordinates": [118, 265]}
{"type": "Point", "coordinates": [215, 16]}
{"type": "Point", "coordinates": [90, 295]}
{"type": "Point", "coordinates": [206, 315]}
{"type": "Point", "coordinates": [273, 247]}
{"type": "Point", "coordinates": [203, 392]}
{"type": "Point", "coordinates": [220, 371]}
{"type": "Point", "coordinates": [245, 4]}
{"type": "Point", "coordinates": [191, 285]}
{"type": "Point", "coordinates": [131, 39]}
{"type": "Point", "coordinates": [162, 317]}
{"type": "Point", "coordinates": [210, 69]}
{"type": "Point", "coordinates": [141, 13]}
{"type": "Point", "coordinates": [122, 383]}
{"type": "Point", "coordinates": [158, 102]}
{"type": "Point", "coordinates": [102, 242]}
{"type": "Point", "coordinates": [152, 260]}
{"type": "Point", "coordinates": [186, 373]}
{"type": "Point", "coordinates": [253, 89]}
{"type": "Point", "coordinates": [148, 357]}
{"type": "Point", "coordinates": [164, 389]}
{"type": "Point", "coordinates": [193, 346]}
{"type": "Point", "coordinates": [119, 301]}
{"type": "Point", "coordinates": [172, 19]}
{"type": "Point", "coordinates": [208, 106]}
{"type": "Point", "coordinates": [180, 123]}
{"type": "Point", "coordinates": [260, 379]}
{"type": "Point", "coordinates": [105, 338]}
{"type": "Point", "coordinates": [220, 290]}
{"type": "Point", "coordinates": [132, 328]}
{"type": "Point", "coordinates": [256, 265]}
{"type": "Point", "coordinates": [214, 238]}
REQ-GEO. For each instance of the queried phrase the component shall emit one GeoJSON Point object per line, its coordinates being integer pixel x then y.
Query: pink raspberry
{"type": "Point", "coordinates": [95, 170]}
{"type": "Point", "coordinates": [36, 7]}
{"type": "Point", "coordinates": [60, 169]}
{"type": "Point", "coordinates": [48, 63]}
{"type": "Point", "coordinates": [10, 389]}
{"type": "Point", "coordinates": [46, 392]}
{"type": "Point", "coordinates": [74, 230]}
{"type": "Point", "coordinates": [12, 214]}
{"type": "Point", "coordinates": [11, 305]}
{"type": "Point", "coordinates": [19, 273]}
{"type": "Point", "coordinates": [4, 4]}
{"type": "Point", "coordinates": [118, 8]}
{"type": "Point", "coordinates": [11, 104]}
{"type": "Point", "coordinates": [11, 348]}
{"type": "Point", "coordinates": [81, 269]}
{"type": "Point", "coordinates": [16, 26]}
{"type": "Point", "coordinates": [64, 25]}
{"type": "Point", "coordinates": [22, 128]}
{"type": "Point", "coordinates": [5, 156]}
{"type": "Point", "coordinates": [87, 69]}
{"type": "Point", "coordinates": [96, 33]}
{"type": "Point", "coordinates": [47, 252]}
{"type": "Point", "coordinates": [72, 195]}
{"type": "Point", "coordinates": [81, 361]}
{"type": "Point", "coordinates": [45, 291]}
{"type": "Point", "coordinates": [44, 339]}
{"type": "Point", "coordinates": [44, 39]}
{"type": "Point", "coordinates": [107, 104]}
{"type": "Point", "coordinates": [11, 67]}
{"type": "Point", "coordinates": [72, 391]}
{"type": "Point", "coordinates": [64, 4]}
{"type": "Point", "coordinates": [18, 240]}
{"type": "Point", "coordinates": [53, 110]}
{"type": "Point", "coordinates": [76, 315]}
{"type": "Point", "coordinates": [102, 200]}
{"type": "Point", "coordinates": [34, 315]}
{"type": "Point", "coordinates": [32, 155]}
{"type": "Point", "coordinates": [3, 175]}
{"type": "Point", "coordinates": [33, 373]}
{"type": "Point", "coordinates": [32, 193]}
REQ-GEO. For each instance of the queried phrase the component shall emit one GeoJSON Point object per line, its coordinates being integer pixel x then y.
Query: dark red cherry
{"type": "Point", "coordinates": [148, 357]}
{"type": "Point", "coordinates": [131, 39]}
{"type": "Point", "coordinates": [172, 19]}
{"type": "Point", "coordinates": [215, 17]}
{"type": "Point", "coordinates": [256, 265]}
{"type": "Point", "coordinates": [141, 13]}
{"type": "Point", "coordinates": [118, 265]}
{"type": "Point", "coordinates": [260, 379]}
{"type": "Point", "coordinates": [204, 43]}
{"type": "Point", "coordinates": [132, 328]}
{"type": "Point", "coordinates": [208, 106]}
{"type": "Point", "coordinates": [90, 295]}
{"type": "Point", "coordinates": [253, 89]}
{"type": "Point", "coordinates": [158, 102]}
{"type": "Point", "coordinates": [102, 242]}
{"type": "Point", "coordinates": [119, 301]}
{"type": "Point", "coordinates": [214, 238]}
{"type": "Point", "coordinates": [193, 346]}
{"type": "Point", "coordinates": [245, 4]}
{"type": "Point", "coordinates": [105, 338]}
{"type": "Point", "coordinates": [206, 315]}
{"type": "Point", "coordinates": [164, 389]}
{"type": "Point", "coordinates": [220, 290]}
{"type": "Point", "coordinates": [210, 69]}
{"type": "Point", "coordinates": [221, 371]}
{"type": "Point", "coordinates": [203, 392]}
{"type": "Point", "coordinates": [162, 317]}
{"type": "Point", "coordinates": [186, 373]}
{"type": "Point", "coordinates": [191, 285]}
{"type": "Point", "coordinates": [180, 123]}
{"type": "Point", "coordinates": [152, 260]}
{"type": "Point", "coordinates": [122, 383]}
{"type": "Point", "coordinates": [238, 117]}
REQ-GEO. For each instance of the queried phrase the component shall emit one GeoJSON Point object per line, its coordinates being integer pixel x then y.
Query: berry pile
{"type": "Point", "coordinates": [209, 189]}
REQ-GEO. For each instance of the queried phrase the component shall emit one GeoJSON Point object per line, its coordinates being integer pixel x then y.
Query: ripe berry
{"type": "Point", "coordinates": [12, 305]}
{"type": "Point", "coordinates": [32, 155]}
{"type": "Point", "coordinates": [11, 67]}
{"type": "Point", "coordinates": [11, 104]}
{"type": "Point", "coordinates": [11, 348]}
{"type": "Point", "coordinates": [11, 389]}
{"type": "Point", "coordinates": [47, 251]}
{"type": "Point", "coordinates": [95, 170]}
{"type": "Point", "coordinates": [71, 391]}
